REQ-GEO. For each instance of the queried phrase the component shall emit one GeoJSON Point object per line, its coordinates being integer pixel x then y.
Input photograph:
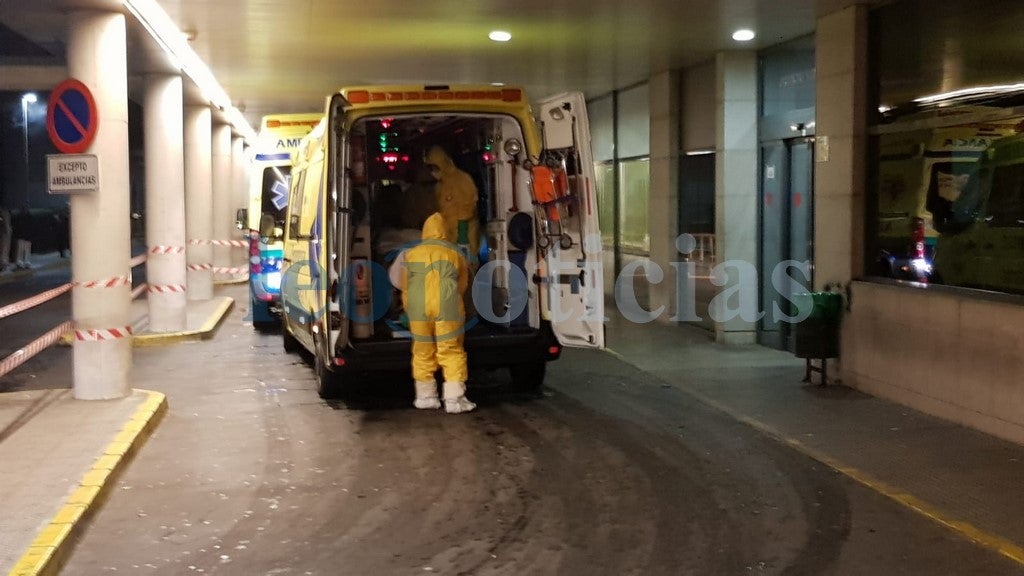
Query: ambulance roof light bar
{"type": "Point", "coordinates": [433, 94]}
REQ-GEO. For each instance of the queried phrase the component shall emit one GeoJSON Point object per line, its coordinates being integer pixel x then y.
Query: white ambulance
{"type": "Point", "coordinates": [358, 197]}
{"type": "Point", "coordinates": [263, 218]}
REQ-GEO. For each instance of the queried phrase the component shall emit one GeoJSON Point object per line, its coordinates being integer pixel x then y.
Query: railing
{"type": "Point", "coordinates": [55, 334]}
{"type": "Point", "coordinates": [59, 332]}
{"type": "Point", "coordinates": [48, 339]}
{"type": "Point", "coordinates": [141, 288]}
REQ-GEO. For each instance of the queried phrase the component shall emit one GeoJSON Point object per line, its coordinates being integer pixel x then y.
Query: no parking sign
{"type": "Point", "coordinates": [71, 117]}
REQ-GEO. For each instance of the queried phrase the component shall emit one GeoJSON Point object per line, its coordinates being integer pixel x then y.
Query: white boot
{"type": "Point", "coordinates": [455, 401]}
{"type": "Point", "coordinates": [426, 395]}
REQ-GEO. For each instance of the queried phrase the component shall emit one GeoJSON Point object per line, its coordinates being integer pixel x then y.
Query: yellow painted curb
{"type": "Point", "coordinates": [211, 323]}
{"type": "Point", "coordinates": [48, 552]}
{"type": "Point", "coordinates": [205, 332]}
{"type": "Point", "coordinates": [995, 543]}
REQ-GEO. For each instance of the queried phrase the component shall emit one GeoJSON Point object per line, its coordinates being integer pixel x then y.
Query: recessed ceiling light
{"type": "Point", "coordinates": [743, 35]}
{"type": "Point", "coordinates": [500, 36]}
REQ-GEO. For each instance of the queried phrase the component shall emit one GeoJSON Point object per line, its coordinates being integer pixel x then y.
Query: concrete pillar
{"type": "Point", "coordinates": [240, 188]}
{"type": "Point", "coordinates": [663, 207]}
{"type": "Point", "coordinates": [223, 200]}
{"type": "Point", "coordinates": [165, 204]}
{"type": "Point", "coordinates": [198, 201]}
{"type": "Point", "coordinates": [736, 198]}
{"type": "Point", "coordinates": [841, 55]}
{"type": "Point", "coordinates": [100, 231]}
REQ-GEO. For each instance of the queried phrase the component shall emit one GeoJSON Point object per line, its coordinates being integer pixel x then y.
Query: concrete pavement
{"type": "Point", "coordinates": [62, 453]}
{"type": "Point", "coordinates": [962, 479]}
{"type": "Point", "coordinates": [59, 455]}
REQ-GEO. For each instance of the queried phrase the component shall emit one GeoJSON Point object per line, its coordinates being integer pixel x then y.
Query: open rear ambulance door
{"type": "Point", "coordinates": [338, 216]}
{"type": "Point", "coordinates": [575, 291]}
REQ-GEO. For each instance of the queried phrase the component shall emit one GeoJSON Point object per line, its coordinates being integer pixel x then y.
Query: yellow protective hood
{"type": "Point", "coordinates": [434, 227]}
{"type": "Point", "coordinates": [438, 157]}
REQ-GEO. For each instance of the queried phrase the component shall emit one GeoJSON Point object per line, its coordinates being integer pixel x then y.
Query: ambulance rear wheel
{"type": "Point", "coordinates": [328, 385]}
{"type": "Point", "coordinates": [528, 377]}
{"type": "Point", "coordinates": [291, 345]}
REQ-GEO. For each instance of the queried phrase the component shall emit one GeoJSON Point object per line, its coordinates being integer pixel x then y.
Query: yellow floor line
{"type": "Point", "coordinates": [993, 542]}
{"type": "Point", "coordinates": [51, 547]}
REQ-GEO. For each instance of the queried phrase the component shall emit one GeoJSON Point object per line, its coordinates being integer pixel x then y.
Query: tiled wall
{"type": "Point", "coordinates": [839, 171]}
{"type": "Point", "coordinates": [951, 355]}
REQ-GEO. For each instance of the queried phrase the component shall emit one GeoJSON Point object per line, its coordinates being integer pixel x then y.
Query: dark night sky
{"type": "Point", "coordinates": [13, 188]}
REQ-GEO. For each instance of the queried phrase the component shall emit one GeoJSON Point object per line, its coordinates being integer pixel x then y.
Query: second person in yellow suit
{"type": "Point", "coordinates": [456, 199]}
{"type": "Point", "coordinates": [434, 281]}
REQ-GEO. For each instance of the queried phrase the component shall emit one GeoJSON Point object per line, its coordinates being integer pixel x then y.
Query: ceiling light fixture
{"type": "Point", "coordinates": [743, 35]}
{"type": "Point", "coordinates": [500, 36]}
{"type": "Point", "coordinates": [175, 43]}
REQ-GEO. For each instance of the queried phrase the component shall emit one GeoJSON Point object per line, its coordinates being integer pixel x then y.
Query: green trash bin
{"type": "Point", "coordinates": [817, 335]}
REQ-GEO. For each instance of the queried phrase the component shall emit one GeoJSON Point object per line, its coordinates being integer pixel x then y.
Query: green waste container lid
{"type": "Point", "coordinates": [821, 305]}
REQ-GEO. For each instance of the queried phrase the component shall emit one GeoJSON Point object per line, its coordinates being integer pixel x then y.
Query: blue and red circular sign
{"type": "Point", "coordinates": [71, 117]}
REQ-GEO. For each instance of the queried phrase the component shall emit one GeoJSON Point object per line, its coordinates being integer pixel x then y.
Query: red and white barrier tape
{"type": "Point", "coordinates": [222, 270]}
{"type": "Point", "coordinates": [235, 243]}
{"type": "Point", "coordinates": [200, 267]}
{"type": "Point", "coordinates": [105, 283]}
{"type": "Point", "coordinates": [167, 289]}
{"type": "Point", "coordinates": [35, 347]}
{"type": "Point", "coordinates": [167, 250]}
{"type": "Point", "coordinates": [137, 260]}
{"type": "Point", "coordinates": [22, 305]}
{"type": "Point", "coordinates": [103, 335]}
{"type": "Point", "coordinates": [139, 290]}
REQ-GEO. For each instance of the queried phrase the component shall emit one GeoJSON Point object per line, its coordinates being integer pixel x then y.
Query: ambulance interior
{"type": "Point", "coordinates": [393, 193]}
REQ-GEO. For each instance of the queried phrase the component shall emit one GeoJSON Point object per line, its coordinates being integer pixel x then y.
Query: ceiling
{"type": "Point", "coordinates": [286, 55]}
{"type": "Point", "coordinates": [967, 44]}
{"type": "Point", "coordinates": [276, 56]}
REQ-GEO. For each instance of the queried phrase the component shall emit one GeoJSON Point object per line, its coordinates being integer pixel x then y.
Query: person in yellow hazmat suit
{"type": "Point", "coordinates": [456, 200]}
{"type": "Point", "coordinates": [434, 280]}
{"type": "Point", "coordinates": [418, 201]}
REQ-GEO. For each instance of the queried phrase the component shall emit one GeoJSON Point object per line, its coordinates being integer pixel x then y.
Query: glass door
{"type": "Point", "coordinates": [787, 229]}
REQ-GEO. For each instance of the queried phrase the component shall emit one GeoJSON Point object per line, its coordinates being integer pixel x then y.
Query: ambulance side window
{"type": "Point", "coordinates": [310, 195]}
{"type": "Point", "coordinates": [296, 204]}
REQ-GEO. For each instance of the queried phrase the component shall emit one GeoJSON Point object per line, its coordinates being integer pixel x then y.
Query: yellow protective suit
{"type": "Point", "coordinates": [456, 198]}
{"type": "Point", "coordinates": [434, 280]}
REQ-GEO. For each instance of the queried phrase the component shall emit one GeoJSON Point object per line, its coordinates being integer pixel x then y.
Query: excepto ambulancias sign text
{"type": "Point", "coordinates": [72, 173]}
